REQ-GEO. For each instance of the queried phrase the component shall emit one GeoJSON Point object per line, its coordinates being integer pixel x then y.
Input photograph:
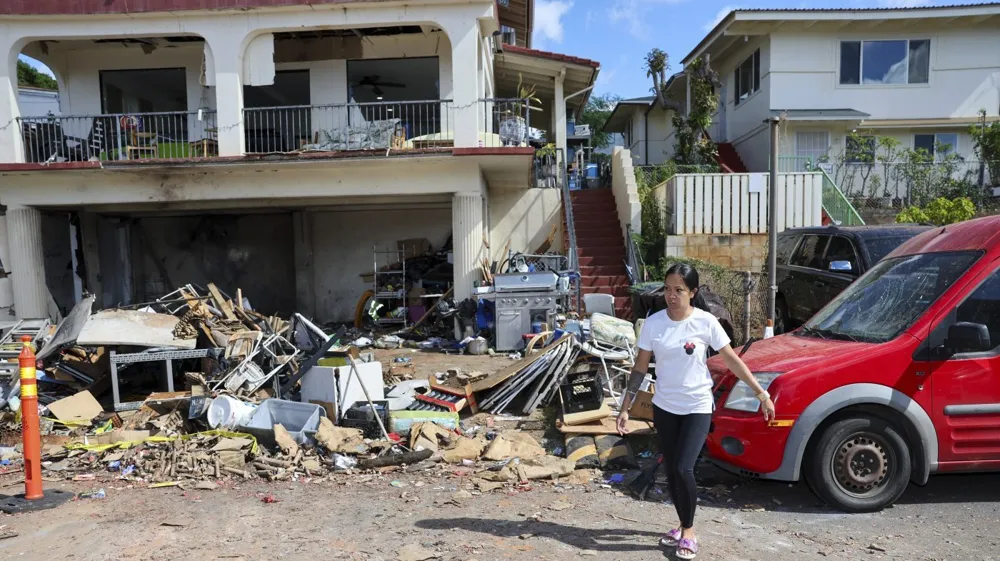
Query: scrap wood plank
{"type": "Point", "coordinates": [497, 378]}
{"type": "Point", "coordinates": [225, 306]}
{"type": "Point", "coordinates": [606, 426]}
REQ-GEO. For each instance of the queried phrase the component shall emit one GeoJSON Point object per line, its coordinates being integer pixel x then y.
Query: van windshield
{"type": "Point", "coordinates": [886, 301]}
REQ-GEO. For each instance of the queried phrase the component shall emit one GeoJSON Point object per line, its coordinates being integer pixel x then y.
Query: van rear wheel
{"type": "Point", "coordinates": [860, 464]}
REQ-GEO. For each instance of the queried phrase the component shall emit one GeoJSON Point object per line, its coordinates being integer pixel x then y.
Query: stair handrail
{"type": "Point", "coordinates": [834, 198]}
{"type": "Point", "coordinates": [574, 258]}
{"type": "Point", "coordinates": [633, 265]}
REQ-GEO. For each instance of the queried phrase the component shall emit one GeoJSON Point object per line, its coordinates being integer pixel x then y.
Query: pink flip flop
{"type": "Point", "coordinates": [672, 538]}
{"type": "Point", "coordinates": [689, 545]}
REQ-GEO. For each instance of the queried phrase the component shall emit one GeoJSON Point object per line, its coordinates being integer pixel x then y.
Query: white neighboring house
{"type": "Point", "coordinates": [37, 102]}
{"type": "Point", "coordinates": [271, 147]}
{"type": "Point", "coordinates": [920, 75]}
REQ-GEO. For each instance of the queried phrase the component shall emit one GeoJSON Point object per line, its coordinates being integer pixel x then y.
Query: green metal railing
{"type": "Point", "coordinates": [836, 205]}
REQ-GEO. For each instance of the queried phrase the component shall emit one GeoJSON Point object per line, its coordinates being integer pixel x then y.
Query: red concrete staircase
{"type": "Point", "coordinates": [601, 247]}
{"type": "Point", "coordinates": [729, 158]}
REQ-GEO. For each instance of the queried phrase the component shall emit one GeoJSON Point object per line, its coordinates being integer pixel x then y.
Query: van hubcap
{"type": "Point", "coordinates": [861, 463]}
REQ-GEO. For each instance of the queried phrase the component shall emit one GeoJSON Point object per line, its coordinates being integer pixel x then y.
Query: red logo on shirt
{"type": "Point", "coordinates": [689, 348]}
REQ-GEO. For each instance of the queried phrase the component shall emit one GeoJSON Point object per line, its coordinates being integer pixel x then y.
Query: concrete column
{"type": "Point", "coordinates": [467, 116]}
{"type": "Point", "coordinates": [305, 279]}
{"type": "Point", "coordinates": [228, 66]}
{"type": "Point", "coordinates": [11, 145]}
{"type": "Point", "coordinates": [559, 114]}
{"type": "Point", "coordinates": [467, 236]}
{"type": "Point", "coordinates": [27, 262]}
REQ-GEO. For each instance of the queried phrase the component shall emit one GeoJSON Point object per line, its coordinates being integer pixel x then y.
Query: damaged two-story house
{"type": "Point", "coordinates": [273, 145]}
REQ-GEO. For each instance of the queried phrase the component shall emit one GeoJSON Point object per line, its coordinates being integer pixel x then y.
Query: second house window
{"type": "Point", "coordinates": [885, 62]}
{"type": "Point", "coordinates": [747, 78]}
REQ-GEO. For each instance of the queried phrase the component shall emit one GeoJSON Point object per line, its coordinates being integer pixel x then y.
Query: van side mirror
{"type": "Point", "coordinates": [967, 337]}
{"type": "Point", "coordinates": [841, 266]}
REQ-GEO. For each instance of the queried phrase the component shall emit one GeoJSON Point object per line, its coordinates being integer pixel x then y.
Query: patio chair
{"type": "Point", "coordinates": [613, 342]}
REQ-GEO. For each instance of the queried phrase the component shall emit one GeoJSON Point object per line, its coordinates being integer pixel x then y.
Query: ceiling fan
{"type": "Point", "coordinates": [373, 82]}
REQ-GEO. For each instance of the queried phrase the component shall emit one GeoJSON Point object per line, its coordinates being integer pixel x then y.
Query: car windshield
{"type": "Point", "coordinates": [880, 247]}
{"type": "Point", "coordinates": [886, 301]}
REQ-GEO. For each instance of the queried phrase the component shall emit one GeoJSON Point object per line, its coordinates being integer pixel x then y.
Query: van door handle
{"type": "Point", "coordinates": [819, 284]}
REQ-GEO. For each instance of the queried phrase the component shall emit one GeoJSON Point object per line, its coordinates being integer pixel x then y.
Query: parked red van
{"type": "Point", "coordinates": [895, 379]}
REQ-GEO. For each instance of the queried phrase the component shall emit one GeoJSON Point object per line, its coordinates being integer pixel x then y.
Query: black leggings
{"type": "Point", "coordinates": [681, 440]}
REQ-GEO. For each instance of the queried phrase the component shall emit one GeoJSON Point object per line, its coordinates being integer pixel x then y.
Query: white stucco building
{"type": "Point", "coordinates": [920, 75]}
{"type": "Point", "coordinates": [271, 147]}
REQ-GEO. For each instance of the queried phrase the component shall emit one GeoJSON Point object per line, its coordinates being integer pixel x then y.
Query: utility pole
{"type": "Point", "coordinates": [772, 229]}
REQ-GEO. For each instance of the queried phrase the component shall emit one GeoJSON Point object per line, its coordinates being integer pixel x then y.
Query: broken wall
{"type": "Point", "coordinates": [343, 241]}
{"type": "Point", "coordinates": [253, 252]}
{"type": "Point", "coordinates": [58, 255]}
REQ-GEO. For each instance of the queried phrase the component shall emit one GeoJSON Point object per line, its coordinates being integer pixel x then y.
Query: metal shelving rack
{"type": "Point", "coordinates": [389, 296]}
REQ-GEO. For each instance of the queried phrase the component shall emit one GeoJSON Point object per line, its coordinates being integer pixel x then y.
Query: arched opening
{"type": "Point", "coordinates": [118, 98]}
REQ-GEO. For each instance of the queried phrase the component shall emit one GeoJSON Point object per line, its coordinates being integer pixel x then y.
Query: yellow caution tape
{"type": "Point", "coordinates": [161, 439]}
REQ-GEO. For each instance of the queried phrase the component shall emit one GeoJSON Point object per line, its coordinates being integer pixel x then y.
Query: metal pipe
{"type": "Point", "coordinates": [772, 227]}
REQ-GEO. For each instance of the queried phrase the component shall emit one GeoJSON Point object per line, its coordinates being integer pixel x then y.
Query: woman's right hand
{"type": "Point", "coordinates": [623, 423]}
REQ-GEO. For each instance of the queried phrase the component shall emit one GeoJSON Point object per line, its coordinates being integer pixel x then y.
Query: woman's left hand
{"type": "Point", "coordinates": [768, 408]}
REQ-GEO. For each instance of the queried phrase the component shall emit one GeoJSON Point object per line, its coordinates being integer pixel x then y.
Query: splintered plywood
{"type": "Point", "coordinates": [131, 327]}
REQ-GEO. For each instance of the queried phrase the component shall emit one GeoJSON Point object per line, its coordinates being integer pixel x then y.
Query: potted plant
{"type": "Point", "coordinates": [513, 124]}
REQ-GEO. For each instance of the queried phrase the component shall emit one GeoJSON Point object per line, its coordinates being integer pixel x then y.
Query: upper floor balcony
{"type": "Point", "coordinates": [317, 80]}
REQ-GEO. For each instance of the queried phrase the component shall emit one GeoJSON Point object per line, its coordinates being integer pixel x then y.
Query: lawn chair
{"type": "Point", "coordinates": [613, 342]}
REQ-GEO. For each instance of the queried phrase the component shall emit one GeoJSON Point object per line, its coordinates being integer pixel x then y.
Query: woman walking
{"type": "Point", "coordinates": [679, 337]}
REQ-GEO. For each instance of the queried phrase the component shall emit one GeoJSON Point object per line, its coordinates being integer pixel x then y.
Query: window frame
{"type": "Point", "coordinates": [856, 271]}
{"type": "Point", "coordinates": [861, 56]}
{"type": "Point", "coordinates": [754, 61]}
{"type": "Point", "coordinates": [828, 143]}
{"type": "Point", "coordinates": [821, 251]}
{"type": "Point", "coordinates": [934, 152]}
{"type": "Point", "coordinates": [945, 320]}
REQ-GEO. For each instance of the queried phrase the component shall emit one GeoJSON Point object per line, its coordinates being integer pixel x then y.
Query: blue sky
{"type": "Point", "coordinates": [619, 33]}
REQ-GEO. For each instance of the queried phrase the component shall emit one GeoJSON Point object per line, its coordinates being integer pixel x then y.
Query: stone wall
{"type": "Point", "coordinates": [742, 252]}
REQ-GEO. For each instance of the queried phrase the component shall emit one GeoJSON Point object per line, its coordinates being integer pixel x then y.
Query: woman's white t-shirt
{"type": "Point", "coordinates": [683, 382]}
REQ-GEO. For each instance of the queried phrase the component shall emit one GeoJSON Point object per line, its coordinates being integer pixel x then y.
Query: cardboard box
{"type": "Point", "coordinates": [642, 407]}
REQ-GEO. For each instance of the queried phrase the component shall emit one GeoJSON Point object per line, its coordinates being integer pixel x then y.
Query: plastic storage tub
{"type": "Point", "coordinates": [297, 418]}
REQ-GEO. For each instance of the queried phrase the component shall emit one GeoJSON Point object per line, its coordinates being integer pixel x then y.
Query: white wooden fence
{"type": "Point", "coordinates": [737, 203]}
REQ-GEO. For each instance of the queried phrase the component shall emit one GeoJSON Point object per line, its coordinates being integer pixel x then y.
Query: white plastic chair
{"type": "Point", "coordinates": [599, 304]}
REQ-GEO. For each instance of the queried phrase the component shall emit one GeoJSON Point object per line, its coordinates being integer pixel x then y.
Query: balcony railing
{"type": "Point", "coordinates": [380, 125]}
{"type": "Point", "coordinates": [124, 136]}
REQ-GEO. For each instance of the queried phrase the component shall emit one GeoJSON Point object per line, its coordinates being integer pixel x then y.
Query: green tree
{"type": "Point", "coordinates": [28, 76]}
{"type": "Point", "coordinates": [596, 114]}
{"type": "Point", "coordinates": [694, 147]}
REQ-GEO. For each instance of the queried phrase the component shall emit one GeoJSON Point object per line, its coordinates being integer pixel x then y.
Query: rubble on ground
{"type": "Point", "coordinates": [275, 398]}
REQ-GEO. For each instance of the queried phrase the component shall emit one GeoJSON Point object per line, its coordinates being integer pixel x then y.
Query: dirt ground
{"type": "Point", "coordinates": [367, 517]}
{"type": "Point", "coordinates": [440, 514]}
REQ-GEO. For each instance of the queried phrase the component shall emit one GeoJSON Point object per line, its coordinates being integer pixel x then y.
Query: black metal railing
{"type": "Point", "coordinates": [381, 125]}
{"type": "Point", "coordinates": [124, 136]}
{"type": "Point", "coordinates": [507, 123]}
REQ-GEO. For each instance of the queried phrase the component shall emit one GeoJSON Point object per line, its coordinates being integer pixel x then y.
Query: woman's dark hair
{"type": "Point", "coordinates": [690, 276]}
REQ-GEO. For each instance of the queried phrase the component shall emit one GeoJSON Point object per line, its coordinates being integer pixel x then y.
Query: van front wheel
{"type": "Point", "coordinates": [860, 464]}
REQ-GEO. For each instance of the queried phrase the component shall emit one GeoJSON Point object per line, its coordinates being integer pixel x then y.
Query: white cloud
{"type": "Point", "coordinates": [634, 15]}
{"type": "Point", "coordinates": [605, 78]}
{"type": "Point", "coordinates": [548, 19]}
{"type": "Point", "coordinates": [719, 17]}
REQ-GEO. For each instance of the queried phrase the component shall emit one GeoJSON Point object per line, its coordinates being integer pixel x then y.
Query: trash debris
{"type": "Point", "coordinates": [99, 494]}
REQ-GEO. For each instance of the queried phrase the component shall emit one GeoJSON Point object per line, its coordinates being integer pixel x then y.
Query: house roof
{"type": "Point", "coordinates": [761, 21]}
{"type": "Point", "coordinates": [568, 59]}
{"type": "Point", "coordinates": [86, 7]}
{"type": "Point", "coordinates": [820, 114]}
{"type": "Point", "coordinates": [620, 115]}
